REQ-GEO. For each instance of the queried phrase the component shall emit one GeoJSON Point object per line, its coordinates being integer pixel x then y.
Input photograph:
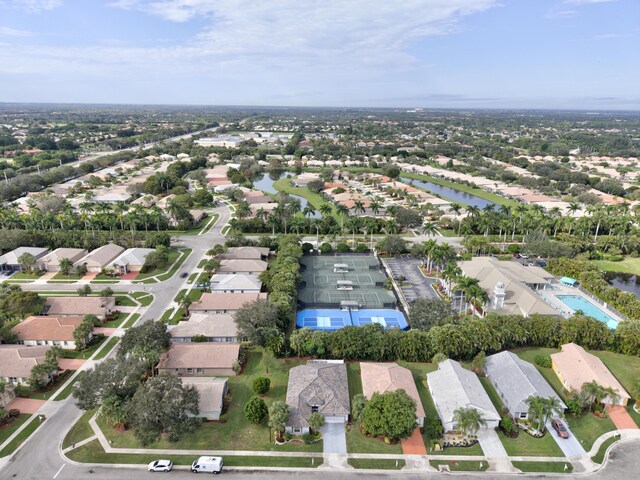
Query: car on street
{"type": "Point", "coordinates": [207, 465]}
{"type": "Point", "coordinates": [559, 426]}
{"type": "Point", "coordinates": [184, 274]}
{"type": "Point", "coordinates": [161, 466]}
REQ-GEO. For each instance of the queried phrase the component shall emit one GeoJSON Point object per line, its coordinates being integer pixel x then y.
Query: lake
{"type": "Point", "coordinates": [265, 183]}
{"type": "Point", "coordinates": [624, 281]}
{"type": "Point", "coordinates": [449, 193]}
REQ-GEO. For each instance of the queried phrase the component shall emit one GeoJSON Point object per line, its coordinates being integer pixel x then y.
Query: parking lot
{"type": "Point", "coordinates": [407, 267]}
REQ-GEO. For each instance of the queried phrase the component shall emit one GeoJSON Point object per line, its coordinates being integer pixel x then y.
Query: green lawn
{"type": "Point", "coordinates": [93, 452]}
{"type": "Point", "coordinates": [68, 390]}
{"type": "Point", "coordinates": [115, 321]}
{"type": "Point", "coordinates": [461, 465]}
{"type": "Point", "coordinates": [53, 388]}
{"type": "Point", "coordinates": [478, 192]}
{"type": "Point", "coordinates": [81, 430]}
{"type": "Point", "coordinates": [357, 442]}
{"type": "Point", "coordinates": [203, 226]}
{"type": "Point", "coordinates": [599, 457]}
{"type": "Point", "coordinates": [628, 265]}
{"type": "Point", "coordinates": [7, 430]}
{"type": "Point", "coordinates": [588, 428]}
{"type": "Point", "coordinates": [547, 467]}
{"type": "Point", "coordinates": [174, 254]}
{"type": "Point", "coordinates": [87, 352]}
{"type": "Point", "coordinates": [21, 437]}
{"type": "Point", "coordinates": [315, 199]}
{"type": "Point", "coordinates": [232, 432]}
{"type": "Point", "coordinates": [632, 413]}
{"type": "Point", "coordinates": [71, 276]}
{"type": "Point", "coordinates": [132, 320]}
{"type": "Point", "coordinates": [166, 276]}
{"type": "Point", "coordinates": [144, 298]}
{"type": "Point", "coordinates": [125, 301]}
{"type": "Point", "coordinates": [376, 463]}
{"type": "Point", "coordinates": [27, 276]}
{"type": "Point", "coordinates": [107, 348]}
{"type": "Point", "coordinates": [624, 367]}
{"type": "Point", "coordinates": [167, 316]}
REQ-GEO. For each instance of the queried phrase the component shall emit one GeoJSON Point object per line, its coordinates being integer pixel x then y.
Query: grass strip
{"type": "Point", "coordinates": [461, 465]}
{"type": "Point", "coordinates": [376, 463]}
{"type": "Point", "coordinates": [599, 457]}
{"type": "Point", "coordinates": [548, 467]}
{"type": "Point", "coordinates": [131, 321]}
{"type": "Point", "coordinates": [107, 348]}
{"type": "Point", "coordinates": [81, 430]}
{"type": "Point", "coordinates": [68, 390]}
{"type": "Point", "coordinates": [21, 437]}
{"type": "Point", "coordinates": [7, 430]}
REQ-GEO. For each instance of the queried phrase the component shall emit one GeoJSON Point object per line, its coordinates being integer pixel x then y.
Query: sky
{"type": "Point", "coordinates": [577, 54]}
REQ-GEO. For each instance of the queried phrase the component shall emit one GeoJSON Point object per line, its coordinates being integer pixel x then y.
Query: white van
{"type": "Point", "coordinates": [207, 465]}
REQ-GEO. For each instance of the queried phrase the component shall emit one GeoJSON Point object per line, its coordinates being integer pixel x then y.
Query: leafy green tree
{"type": "Point", "coordinates": [278, 415]}
{"type": "Point", "coordinates": [106, 292]}
{"type": "Point", "coordinates": [113, 410]}
{"type": "Point", "coordinates": [255, 410]}
{"type": "Point", "coordinates": [174, 407]}
{"type": "Point", "coordinates": [390, 414]}
{"type": "Point", "coordinates": [119, 377]}
{"type": "Point", "coordinates": [469, 420]}
{"type": "Point", "coordinates": [425, 313]}
{"type": "Point", "coordinates": [258, 321]}
{"type": "Point", "coordinates": [19, 304]}
{"type": "Point", "coordinates": [261, 385]}
{"type": "Point", "coordinates": [145, 342]}
{"type": "Point", "coordinates": [82, 332]}
{"type": "Point", "coordinates": [316, 421]}
{"type": "Point", "coordinates": [392, 244]}
{"type": "Point", "coordinates": [27, 260]}
{"type": "Point", "coordinates": [84, 291]}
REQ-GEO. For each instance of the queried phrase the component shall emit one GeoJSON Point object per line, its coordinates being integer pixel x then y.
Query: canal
{"type": "Point", "coordinates": [463, 198]}
{"type": "Point", "coordinates": [265, 183]}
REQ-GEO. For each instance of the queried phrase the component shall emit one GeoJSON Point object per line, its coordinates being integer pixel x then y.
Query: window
{"type": "Point", "coordinates": [189, 370]}
{"type": "Point", "coordinates": [314, 409]}
{"type": "Point", "coordinates": [523, 414]}
{"type": "Point", "coordinates": [297, 430]}
{"type": "Point", "coordinates": [199, 370]}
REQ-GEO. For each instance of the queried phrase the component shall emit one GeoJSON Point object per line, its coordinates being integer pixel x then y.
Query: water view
{"type": "Point", "coordinates": [624, 281]}
{"type": "Point", "coordinates": [265, 183]}
{"type": "Point", "coordinates": [449, 193]}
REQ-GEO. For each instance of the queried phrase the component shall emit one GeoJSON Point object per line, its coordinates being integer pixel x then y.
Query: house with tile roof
{"type": "Point", "coordinates": [52, 261]}
{"type": "Point", "coordinates": [452, 387]}
{"type": "Point", "coordinates": [200, 359]}
{"type": "Point", "coordinates": [10, 261]}
{"type": "Point", "coordinates": [46, 330]}
{"type": "Point", "coordinates": [574, 366]}
{"type": "Point", "coordinates": [389, 377]}
{"type": "Point", "coordinates": [245, 266]}
{"type": "Point", "coordinates": [211, 392]}
{"type": "Point", "coordinates": [235, 283]}
{"type": "Point", "coordinates": [70, 306]}
{"type": "Point", "coordinates": [320, 386]}
{"type": "Point", "coordinates": [215, 328]}
{"type": "Point", "coordinates": [222, 304]}
{"type": "Point", "coordinates": [16, 362]}
{"type": "Point", "coordinates": [101, 257]}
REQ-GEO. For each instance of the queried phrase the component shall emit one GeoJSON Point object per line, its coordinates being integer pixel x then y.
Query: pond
{"type": "Point", "coordinates": [452, 194]}
{"type": "Point", "coordinates": [265, 183]}
{"type": "Point", "coordinates": [624, 281]}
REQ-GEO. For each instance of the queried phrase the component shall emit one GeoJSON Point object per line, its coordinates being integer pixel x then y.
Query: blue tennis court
{"type": "Point", "coordinates": [333, 319]}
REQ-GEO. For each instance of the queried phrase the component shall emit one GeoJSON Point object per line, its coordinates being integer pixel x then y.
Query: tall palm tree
{"type": "Point", "coordinates": [469, 420]}
{"type": "Point", "coordinates": [429, 228]}
{"type": "Point", "coordinates": [309, 211]}
{"type": "Point", "coordinates": [375, 207]}
{"type": "Point", "coordinates": [476, 294]}
{"type": "Point", "coordinates": [325, 209]}
{"type": "Point", "coordinates": [358, 207]}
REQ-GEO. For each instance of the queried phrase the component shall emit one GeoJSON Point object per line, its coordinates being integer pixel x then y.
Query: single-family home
{"type": "Point", "coordinates": [51, 262]}
{"type": "Point", "coordinates": [16, 362]}
{"type": "Point", "coordinates": [516, 380]}
{"type": "Point", "coordinates": [575, 367]}
{"type": "Point", "coordinates": [222, 304]}
{"type": "Point", "coordinates": [452, 387]}
{"type": "Point", "coordinates": [215, 328]}
{"type": "Point", "coordinates": [131, 260]}
{"type": "Point", "coordinates": [211, 392]}
{"type": "Point", "coordinates": [248, 267]}
{"type": "Point", "coordinates": [43, 330]}
{"type": "Point", "coordinates": [200, 359]}
{"type": "Point", "coordinates": [65, 306]}
{"type": "Point", "coordinates": [245, 253]}
{"type": "Point", "coordinates": [238, 283]}
{"type": "Point", "coordinates": [320, 386]}
{"type": "Point", "coordinates": [10, 261]}
{"type": "Point", "coordinates": [389, 377]}
{"type": "Point", "coordinates": [101, 257]}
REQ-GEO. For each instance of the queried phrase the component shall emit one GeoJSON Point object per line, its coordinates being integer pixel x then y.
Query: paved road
{"type": "Point", "coordinates": [32, 464]}
{"type": "Point", "coordinates": [40, 458]}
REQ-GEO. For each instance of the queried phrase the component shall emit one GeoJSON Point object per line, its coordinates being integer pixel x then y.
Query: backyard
{"type": "Point", "coordinates": [628, 265]}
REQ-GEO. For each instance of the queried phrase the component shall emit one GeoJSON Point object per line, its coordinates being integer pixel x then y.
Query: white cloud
{"type": "Point", "coordinates": [32, 6]}
{"type": "Point", "coordinates": [12, 32]}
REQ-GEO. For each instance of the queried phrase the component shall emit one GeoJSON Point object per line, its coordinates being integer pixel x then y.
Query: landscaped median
{"type": "Point", "coordinates": [177, 257]}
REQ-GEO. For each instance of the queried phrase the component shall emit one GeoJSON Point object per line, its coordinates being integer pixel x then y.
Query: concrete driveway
{"type": "Point", "coordinates": [570, 446]}
{"type": "Point", "coordinates": [407, 267]}
{"type": "Point", "coordinates": [334, 437]}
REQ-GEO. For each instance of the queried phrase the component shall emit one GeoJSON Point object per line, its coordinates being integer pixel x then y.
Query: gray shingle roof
{"type": "Point", "coordinates": [517, 380]}
{"type": "Point", "coordinates": [324, 385]}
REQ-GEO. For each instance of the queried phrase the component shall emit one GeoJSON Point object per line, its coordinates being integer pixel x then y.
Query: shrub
{"type": "Point", "coordinates": [307, 438]}
{"type": "Point", "coordinates": [261, 385]}
{"type": "Point", "coordinates": [543, 361]}
{"type": "Point", "coordinates": [306, 248]}
{"type": "Point", "coordinates": [362, 248]}
{"type": "Point", "coordinates": [508, 426]}
{"type": "Point", "coordinates": [343, 248]}
{"type": "Point", "coordinates": [574, 407]}
{"type": "Point", "coordinates": [255, 410]}
{"type": "Point", "coordinates": [326, 249]}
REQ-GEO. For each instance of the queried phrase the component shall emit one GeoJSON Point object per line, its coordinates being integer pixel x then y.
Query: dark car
{"type": "Point", "coordinates": [184, 274]}
{"type": "Point", "coordinates": [560, 428]}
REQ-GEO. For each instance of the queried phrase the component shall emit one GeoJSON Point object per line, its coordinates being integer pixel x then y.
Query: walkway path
{"type": "Point", "coordinates": [494, 451]}
{"type": "Point", "coordinates": [414, 445]}
{"type": "Point", "coordinates": [620, 417]}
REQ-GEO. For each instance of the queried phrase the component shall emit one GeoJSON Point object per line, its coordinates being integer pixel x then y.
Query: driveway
{"type": "Point", "coordinates": [334, 437]}
{"type": "Point", "coordinates": [570, 446]}
{"type": "Point", "coordinates": [407, 267]}
{"type": "Point", "coordinates": [620, 417]}
{"type": "Point", "coordinates": [490, 443]}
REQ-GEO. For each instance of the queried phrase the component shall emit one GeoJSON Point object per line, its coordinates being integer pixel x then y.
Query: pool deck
{"type": "Point", "coordinates": [550, 295]}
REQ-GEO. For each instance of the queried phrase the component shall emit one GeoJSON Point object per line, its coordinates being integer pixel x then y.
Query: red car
{"type": "Point", "coordinates": [560, 428]}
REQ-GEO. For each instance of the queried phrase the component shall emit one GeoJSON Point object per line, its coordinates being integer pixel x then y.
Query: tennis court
{"type": "Point", "coordinates": [327, 281]}
{"type": "Point", "coordinates": [333, 319]}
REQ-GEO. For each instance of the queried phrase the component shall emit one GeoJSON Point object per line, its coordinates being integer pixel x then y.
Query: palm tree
{"type": "Point", "coordinates": [541, 409]}
{"type": "Point", "coordinates": [309, 211]}
{"type": "Point", "coordinates": [65, 266]}
{"type": "Point", "coordinates": [476, 294]}
{"type": "Point", "coordinates": [469, 420]}
{"type": "Point", "coordinates": [450, 272]}
{"type": "Point", "coordinates": [375, 207]}
{"type": "Point", "coordinates": [343, 211]}
{"type": "Point", "coordinates": [358, 207]}
{"type": "Point", "coordinates": [429, 228]}
{"type": "Point", "coordinates": [325, 209]}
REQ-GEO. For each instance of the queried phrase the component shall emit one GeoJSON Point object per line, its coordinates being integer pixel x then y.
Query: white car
{"type": "Point", "coordinates": [161, 466]}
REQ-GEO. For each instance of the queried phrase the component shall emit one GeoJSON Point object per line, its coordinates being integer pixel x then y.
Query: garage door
{"type": "Point", "coordinates": [334, 419]}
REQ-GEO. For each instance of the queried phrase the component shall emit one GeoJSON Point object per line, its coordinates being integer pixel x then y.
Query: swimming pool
{"type": "Point", "coordinates": [576, 302]}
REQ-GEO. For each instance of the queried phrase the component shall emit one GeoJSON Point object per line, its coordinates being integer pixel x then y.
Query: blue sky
{"type": "Point", "coordinates": [582, 54]}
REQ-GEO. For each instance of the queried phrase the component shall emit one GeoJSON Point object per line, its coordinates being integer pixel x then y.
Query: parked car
{"type": "Point", "coordinates": [161, 466]}
{"type": "Point", "coordinates": [541, 263]}
{"type": "Point", "coordinates": [560, 428]}
{"type": "Point", "coordinates": [208, 465]}
{"type": "Point", "coordinates": [184, 274]}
